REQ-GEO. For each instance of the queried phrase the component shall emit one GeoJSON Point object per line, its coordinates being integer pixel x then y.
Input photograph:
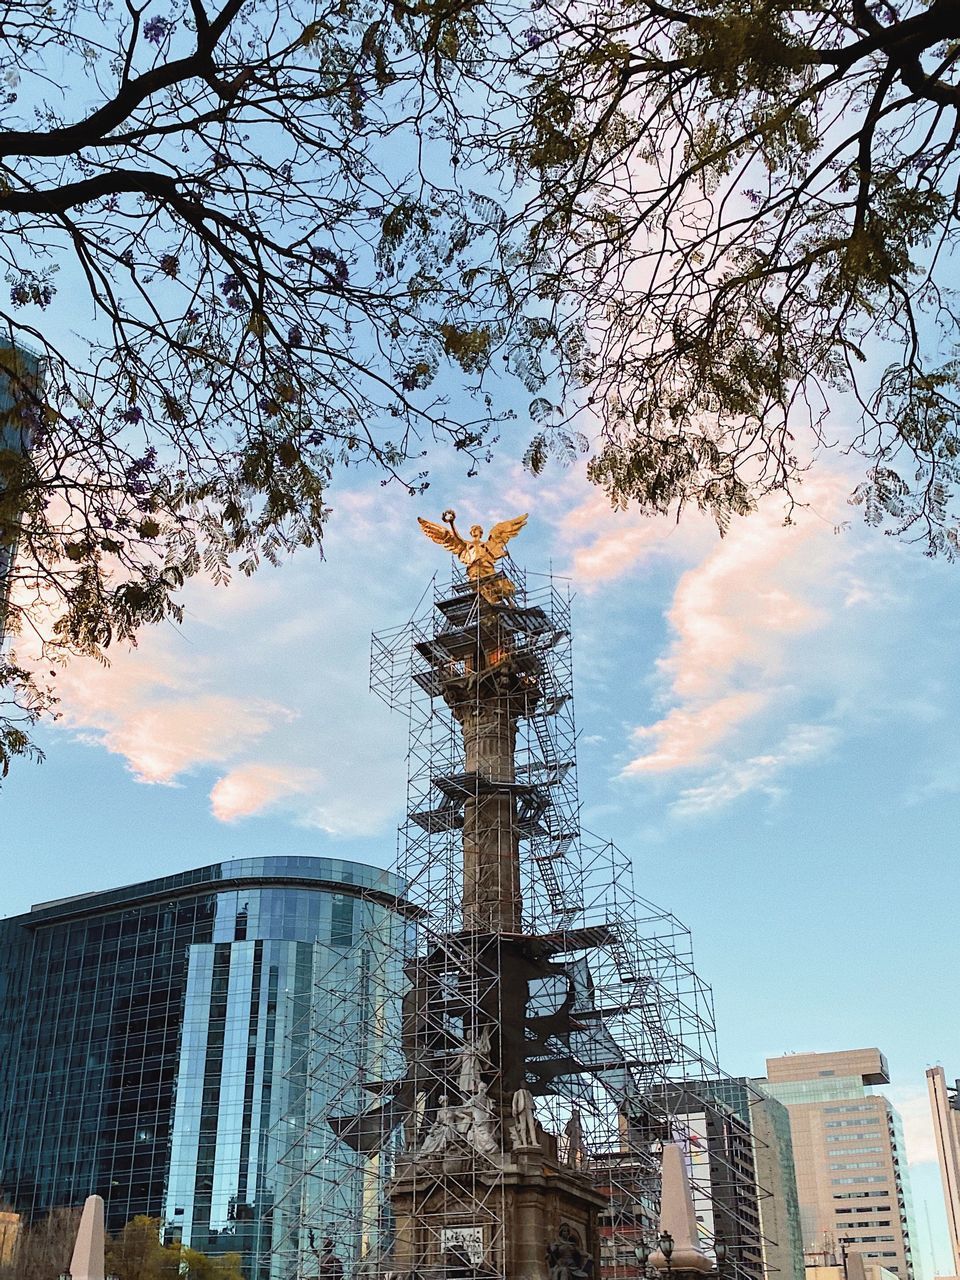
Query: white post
{"type": "Point", "coordinates": [677, 1218]}
{"type": "Point", "coordinates": [87, 1260]}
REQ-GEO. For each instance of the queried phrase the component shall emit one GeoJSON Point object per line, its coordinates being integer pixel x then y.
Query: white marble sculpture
{"type": "Point", "coordinates": [524, 1120]}
{"type": "Point", "coordinates": [445, 1129]}
{"type": "Point", "coordinates": [472, 1124]}
{"type": "Point", "coordinates": [573, 1132]}
{"type": "Point", "coordinates": [472, 1056]}
{"type": "Point", "coordinates": [482, 1132]}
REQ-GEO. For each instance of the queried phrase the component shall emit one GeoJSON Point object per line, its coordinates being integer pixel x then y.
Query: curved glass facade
{"type": "Point", "coordinates": [160, 1043]}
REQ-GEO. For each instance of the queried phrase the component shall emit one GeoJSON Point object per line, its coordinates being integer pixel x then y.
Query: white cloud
{"type": "Point", "coordinates": [606, 544]}
{"type": "Point", "coordinates": [749, 623]}
{"type": "Point", "coordinates": [163, 721]}
{"type": "Point", "coordinates": [687, 735]}
{"type": "Point", "coordinates": [801, 744]}
{"type": "Point", "coordinates": [913, 1104]}
{"type": "Point", "coordinates": [264, 688]}
{"type": "Point", "coordinates": [767, 629]}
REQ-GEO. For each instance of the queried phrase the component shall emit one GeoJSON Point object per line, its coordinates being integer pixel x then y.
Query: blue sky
{"type": "Point", "coordinates": [767, 724]}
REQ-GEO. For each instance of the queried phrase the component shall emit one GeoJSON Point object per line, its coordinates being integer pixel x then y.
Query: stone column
{"type": "Point", "coordinates": [491, 850]}
{"type": "Point", "coordinates": [487, 700]}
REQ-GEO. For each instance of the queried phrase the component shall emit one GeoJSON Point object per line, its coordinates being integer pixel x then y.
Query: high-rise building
{"type": "Point", "coordinates": [852, 1179]}
{"type": "Point", "coordinates": [159, 1043]}
{"type": "Point", "coordinates": [945, 1105]}
{"type": "Point", "coordinates": [779, 1208]}
{"type": "Point", "coordinates": [739, 1153]}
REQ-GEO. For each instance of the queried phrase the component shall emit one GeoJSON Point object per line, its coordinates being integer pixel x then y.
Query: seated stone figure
{"type": "Point", "coordinates": [565, 1258]}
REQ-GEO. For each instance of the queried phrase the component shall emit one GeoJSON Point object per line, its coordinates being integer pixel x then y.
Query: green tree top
{"type": "Point", "coordinates": [243, 248]}
{"type": "Point", "coordinates": [138, 1254]}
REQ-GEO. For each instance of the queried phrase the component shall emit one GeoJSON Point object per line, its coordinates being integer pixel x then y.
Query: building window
{"type": "Point", "coordinates": [860, 1106]}
{"type": "Point", "coordinates": [841, 1182]}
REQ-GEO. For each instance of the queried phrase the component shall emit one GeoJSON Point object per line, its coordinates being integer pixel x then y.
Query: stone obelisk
{"type": "Point", "coordinates": [678, 1221]}
{"type": "Point", "coordinates": [87, 1262]}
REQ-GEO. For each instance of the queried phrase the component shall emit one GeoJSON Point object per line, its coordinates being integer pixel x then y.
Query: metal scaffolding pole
{"type": "Point", "coordinates": [541, 1022]}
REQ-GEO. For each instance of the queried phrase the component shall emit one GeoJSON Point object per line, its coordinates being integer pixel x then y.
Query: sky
{"type": "Point", "coordinates": [766, 724]}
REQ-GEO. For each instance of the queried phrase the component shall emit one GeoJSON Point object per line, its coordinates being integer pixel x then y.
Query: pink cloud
{"type": "Point", "coordinates": [215, 695]}
{"type": "Point", "coordinates": [745, 621]}
{"type": "Point", "coordinates": [161, 741]}
{"type": "Point", "coordinates": [161, 738]}
{"type": "Point", "coordinates": [688, 734]}
{"type": "Point", "coordinates": [151, 706]}
{"type": "Point", "coordinates": [251, 788]}
{"type": "Point", "coordinates": [607, 543]}
{"type": "Point", "coordinates": [735, 609]}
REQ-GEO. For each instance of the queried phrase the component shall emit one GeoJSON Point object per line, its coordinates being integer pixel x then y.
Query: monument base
{"type": "Point", "coordinates": [460, 1216]}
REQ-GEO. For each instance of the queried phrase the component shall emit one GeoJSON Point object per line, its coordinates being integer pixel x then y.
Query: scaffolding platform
{"type": "Point", "coordinates": [615, 1022]}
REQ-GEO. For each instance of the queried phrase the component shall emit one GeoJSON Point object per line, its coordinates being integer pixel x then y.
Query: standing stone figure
{"type": "Point", "coordinates": [573, 1131]}
{"type": "Point", "coordinates": [471, 1055]}
{"type": "Point", "coordinates": [482, 1133]}
{"type": "Point", "coordinates": [524, 1120]}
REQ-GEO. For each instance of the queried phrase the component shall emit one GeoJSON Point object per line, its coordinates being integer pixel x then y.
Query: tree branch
{"type": "Point", "coordinates": [74, 137]}
{"type": "Point", "coordinates": [57, 200]}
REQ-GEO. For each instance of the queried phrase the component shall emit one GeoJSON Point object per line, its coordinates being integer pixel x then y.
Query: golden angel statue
{"type": "Point", "coordinates": [478, 555]}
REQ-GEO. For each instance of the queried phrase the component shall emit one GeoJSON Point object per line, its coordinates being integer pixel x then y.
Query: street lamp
{"type": "Point", "coordinates": [642, 1251]}
{"type": "Point", "coordinates": [720, 1253]}
{"type": "Point", "coordinates": [665, 1245]}
{"type": "Point", "coordinates": [64, 1275]}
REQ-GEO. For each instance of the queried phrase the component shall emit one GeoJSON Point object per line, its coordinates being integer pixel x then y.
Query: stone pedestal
{"type": "Point", "coordinates": [512, 1213]}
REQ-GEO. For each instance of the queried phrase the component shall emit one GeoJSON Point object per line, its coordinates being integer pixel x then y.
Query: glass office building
{"type": "Point", "coordinates": [160, 1046]}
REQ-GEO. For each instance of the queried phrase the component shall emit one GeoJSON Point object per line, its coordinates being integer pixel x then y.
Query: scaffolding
{"type": "Point", "coordinates": [560, 1017]}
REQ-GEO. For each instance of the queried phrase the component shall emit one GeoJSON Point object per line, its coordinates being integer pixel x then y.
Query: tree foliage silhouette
{"type": "Point", "coordinates": [137, 1253]}
{"type": "Point", "coordinates": [252, 242]}
{"type": "Point", "coordinates": [237, 242]}
{"type": "Point", "coordinates": [754, 206]}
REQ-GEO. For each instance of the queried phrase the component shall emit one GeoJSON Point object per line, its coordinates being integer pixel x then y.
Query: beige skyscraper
{"type": "Point", "coordinates": [852, 1181]}
{"type": "Point", "coordinates": [945, 1105]}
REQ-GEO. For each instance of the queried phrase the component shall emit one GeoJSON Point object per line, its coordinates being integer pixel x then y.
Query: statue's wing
{"type": "Point", "coordinates": [444, 536]}
{"type": "Point", "coordinates": [501, 534]}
